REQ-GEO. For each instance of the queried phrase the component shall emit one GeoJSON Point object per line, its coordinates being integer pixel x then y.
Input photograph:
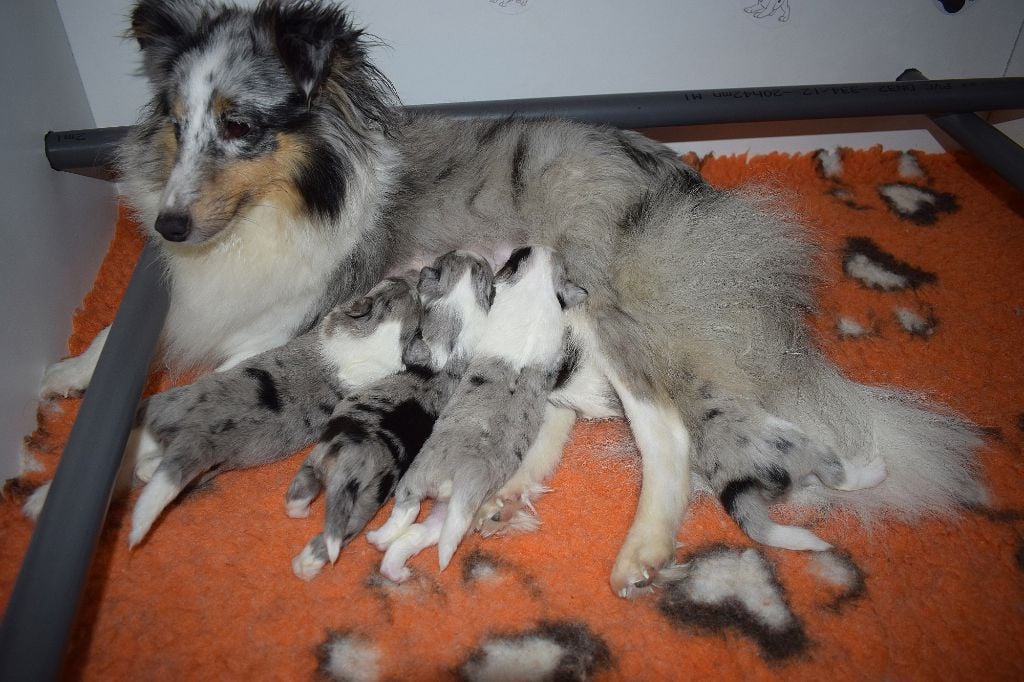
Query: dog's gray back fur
{"type": "Point", "coordinates": [695, 293]}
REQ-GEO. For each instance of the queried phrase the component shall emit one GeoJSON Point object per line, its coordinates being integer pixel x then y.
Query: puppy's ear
{"type": "Point", "coordinates": [416, 353]}
{"type": "Point", "coordinates": [306, 35]}
{"type": "Point", "coordinates": [570, 294]}
{"type": "Point", "coordinates": [429, 275]}
{"type": "Point", "coordinates": [163, 28]}
{"type": "Point", "coordinates": [359, 307]}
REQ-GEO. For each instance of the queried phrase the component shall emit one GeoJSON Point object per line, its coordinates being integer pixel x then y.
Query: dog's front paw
{"type": "Point", "coordinates": [67, 378]}
{"type": "Point", "coordinates": [33, 506]}
{"type": "Point", "coordinates": [639, 564]}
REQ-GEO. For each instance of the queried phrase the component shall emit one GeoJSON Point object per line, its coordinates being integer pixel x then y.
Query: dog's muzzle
{"type": "Point", "coordinates": [174, 227]}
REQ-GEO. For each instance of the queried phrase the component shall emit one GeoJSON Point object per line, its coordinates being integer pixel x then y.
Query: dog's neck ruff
{"type": "Point", "coordinates": [263, 280]}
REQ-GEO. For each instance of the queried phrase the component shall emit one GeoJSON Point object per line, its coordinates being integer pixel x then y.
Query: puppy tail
{"type": "Point", "coordinates": [923, 453]}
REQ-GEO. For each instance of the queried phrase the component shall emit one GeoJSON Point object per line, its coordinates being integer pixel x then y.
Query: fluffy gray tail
{"type": "Point", "coordinates": [928, 450]}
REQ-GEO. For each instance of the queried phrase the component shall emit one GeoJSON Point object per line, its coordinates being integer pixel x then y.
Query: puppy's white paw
{"type": "Point", "coordinates": [297, 509]}
{"type": "Point", "coordinates": [145, 468]}
{"type": "Point", "coordinates": [507, 512]}
{"type": "Point", "coordinates": [157, 494]}
{"type": "Point", "coordinates": [310, 561]}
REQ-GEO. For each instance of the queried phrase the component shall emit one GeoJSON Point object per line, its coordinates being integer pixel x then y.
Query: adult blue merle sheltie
{"type": "Point", "coordinates": [278, 173]}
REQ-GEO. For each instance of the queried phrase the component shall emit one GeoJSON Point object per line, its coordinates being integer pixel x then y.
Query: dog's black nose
{"type": "Point", "coordinates": [175, 227]}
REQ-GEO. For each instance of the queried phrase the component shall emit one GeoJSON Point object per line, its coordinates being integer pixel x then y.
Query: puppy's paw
{"type": "Point", "coordinates": [507, 512]}
{"type": "Point", "coordinates": [639, 564]}
{"type": "Point", "coordinates": [146, 468]}
{"type": "Point", "coordinates": [311, 560]}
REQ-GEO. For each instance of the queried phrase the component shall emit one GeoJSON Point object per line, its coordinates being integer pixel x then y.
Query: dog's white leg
{"type": "Point", "coordinates": [72, 376]}
{"type": "Point", "coordinates": [664, 445]}
{"type": "Point", "coordinates": [511, 508]}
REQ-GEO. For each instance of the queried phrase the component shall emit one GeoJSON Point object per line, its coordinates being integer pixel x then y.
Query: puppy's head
{"type": "Point", "coordinates": [456, 292]}
{"type": "Point", "coordinates": [261, 107]}
{"type": "Point", "coordinates": [389, 312]}
{"type": "Point", "coordinates": [543, 270]}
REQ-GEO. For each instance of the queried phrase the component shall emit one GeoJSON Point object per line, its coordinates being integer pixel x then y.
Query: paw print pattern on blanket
{"type": "Point", "coordinates": [874, 266]}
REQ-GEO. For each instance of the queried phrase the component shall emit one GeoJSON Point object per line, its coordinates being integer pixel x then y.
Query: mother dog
{"type": "Point", "coordinates": [278, 173]}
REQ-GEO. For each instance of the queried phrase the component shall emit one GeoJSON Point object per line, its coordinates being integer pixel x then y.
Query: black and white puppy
{"type": "Point", "coordinates": [376, 432]}
{"type": "Point", "coordinates": [484, 432]}
{"type": "Point", "coordinates": [272, 404]}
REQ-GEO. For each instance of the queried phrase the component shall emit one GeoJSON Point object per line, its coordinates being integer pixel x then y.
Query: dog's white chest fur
{"type": "Point", "coordinates": [217, 312]}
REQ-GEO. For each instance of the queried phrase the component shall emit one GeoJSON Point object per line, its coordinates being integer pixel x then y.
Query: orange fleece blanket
{"type": "Point", "coordinates": [925, 256]}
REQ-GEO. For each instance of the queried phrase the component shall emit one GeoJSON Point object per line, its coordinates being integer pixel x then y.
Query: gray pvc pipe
{"type": "Point", "coordinates": [88, 149]}
{"type": "Point", "coordinates": [979, 137]}
{"type": "Point", "coordinates": [41, 610]}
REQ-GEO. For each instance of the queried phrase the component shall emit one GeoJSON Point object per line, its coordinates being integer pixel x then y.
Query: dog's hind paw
{"type": "Point", "coordinates": [71, 376]}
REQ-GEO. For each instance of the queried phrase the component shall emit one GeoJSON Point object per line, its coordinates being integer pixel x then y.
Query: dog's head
{"type": "Point", "coordinates": [252, 107]}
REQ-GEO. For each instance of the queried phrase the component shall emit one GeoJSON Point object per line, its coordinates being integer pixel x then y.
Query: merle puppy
{"type": "Point", "coordinates": [492, 419]}
{"type": "Point", "coordinates": [272, 404]}
{"type": "Point", "coordinates": [375, 432]}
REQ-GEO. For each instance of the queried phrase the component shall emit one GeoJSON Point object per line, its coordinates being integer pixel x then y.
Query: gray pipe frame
{"type": "Point", "coordinates": [41, 610]}
{"type": "Point", "coordinates": [91, 152]}
{"type": "Point", "coordinates": [42, 607]}
{"type": "Point", "coordinates": [979, 137]}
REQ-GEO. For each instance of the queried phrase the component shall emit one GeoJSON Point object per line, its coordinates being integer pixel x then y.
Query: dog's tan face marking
{"type": "Point", "coordinates": [241, 184]}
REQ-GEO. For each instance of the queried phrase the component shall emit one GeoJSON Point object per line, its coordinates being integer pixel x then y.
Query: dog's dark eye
{"type": "Point", "coordinates": [235, 129]}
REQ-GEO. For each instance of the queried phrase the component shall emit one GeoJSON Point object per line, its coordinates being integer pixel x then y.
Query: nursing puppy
{"type": "Point", "coordinates": [278, 174]}
{"type": "Point", "coordinates": [376, 431]}
{"type": "Point", "coordinates": [273, 404]}
{"type": "Point", "coordinates": [790, 461]}
{"type": "Point", "coordinates": [493, 417]}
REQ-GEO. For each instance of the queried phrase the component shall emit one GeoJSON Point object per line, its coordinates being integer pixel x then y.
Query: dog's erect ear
{"type": "Point", "coordinates": [416, 353]}
{"type": "Point", "coordinates": [359, 307]}
{"type": "Point", "coordinates": [306, 35]}
{"type": "Point", "coordinates": [162, 29]}
{"type": "Point", "coordinates": [570, 294]}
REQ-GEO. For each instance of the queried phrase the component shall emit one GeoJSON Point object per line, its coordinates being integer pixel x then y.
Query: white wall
{"type": "Point", "coordinates": [56, 226]}
{"type": "Point", "coordinates": [455, 50]}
